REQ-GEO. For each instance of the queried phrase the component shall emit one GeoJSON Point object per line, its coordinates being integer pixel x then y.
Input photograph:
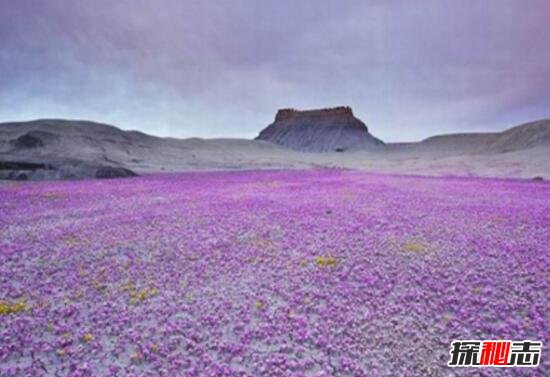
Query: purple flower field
{"type": "Point", "coordinates": [280, 273]}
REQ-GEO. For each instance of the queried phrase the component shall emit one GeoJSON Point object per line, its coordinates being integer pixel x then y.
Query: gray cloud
{"type": "Point", "coordinates": [222, 68]}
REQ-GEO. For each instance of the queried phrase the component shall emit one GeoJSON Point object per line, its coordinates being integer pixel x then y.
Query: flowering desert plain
{"type": "Point", "coordinates": [273, 273]}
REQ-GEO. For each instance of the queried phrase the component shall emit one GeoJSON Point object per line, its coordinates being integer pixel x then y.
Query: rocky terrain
{"type": "Point", "coordinates": [57, 149]}
{"type": "Point", "coordinates": [68, 149]}
{"type": "Point", "coordinates": [323, 130]}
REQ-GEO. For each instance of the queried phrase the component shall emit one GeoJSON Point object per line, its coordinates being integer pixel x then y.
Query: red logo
{"type": "Point", "coordinates": [495, 353]}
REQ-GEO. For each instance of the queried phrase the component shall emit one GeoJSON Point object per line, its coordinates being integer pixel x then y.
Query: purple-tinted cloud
{"type": "Point", "coordinates": [221, 68]}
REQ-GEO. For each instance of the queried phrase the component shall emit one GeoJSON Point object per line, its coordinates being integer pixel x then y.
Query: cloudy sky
{"type": "Point", "coordinates": [182, 68]}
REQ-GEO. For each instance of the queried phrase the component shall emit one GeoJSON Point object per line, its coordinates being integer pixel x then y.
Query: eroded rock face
{"type": "Point", "coordinates": [324, 130]}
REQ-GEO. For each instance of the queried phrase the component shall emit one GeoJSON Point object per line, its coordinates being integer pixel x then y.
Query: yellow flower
{"type": "Point", "coordinates": [87, 338]}
{"type": "Point", "coordinates": [142, 295]}
{"type": "Point", "coordinates": [12, 308]}
{"type": "Point", "coordinates": [413, 247]}
{"type": "Point", "coordinates": [329, 261]}
{"type": "Point", "coordinates": [135, 357]}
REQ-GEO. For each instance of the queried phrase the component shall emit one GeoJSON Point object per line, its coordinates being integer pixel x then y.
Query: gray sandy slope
{"type": "Point", "coordinates": [57, 149]}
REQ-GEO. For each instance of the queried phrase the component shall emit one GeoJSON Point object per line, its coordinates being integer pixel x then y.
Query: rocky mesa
{"type": "Point", "coordinates": [322, 130]}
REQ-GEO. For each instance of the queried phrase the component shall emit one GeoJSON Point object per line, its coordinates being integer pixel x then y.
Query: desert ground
{"type": "Point", "coordinates": [234, 257]}
{"type": "Point", "coordinates": [269, 273]}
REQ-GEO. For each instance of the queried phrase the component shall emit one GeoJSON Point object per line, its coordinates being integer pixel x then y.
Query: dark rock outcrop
{"type": "Point", "coordinates": [324, 130]}
{"type": "Point", "coordinates": [113, 172]}
{"type": "Point", "coordinates": [35, 171]}
{"type": "Point", "coordinates": [34, 139]}
{"type": "Point", "coordinates": [21, 165]}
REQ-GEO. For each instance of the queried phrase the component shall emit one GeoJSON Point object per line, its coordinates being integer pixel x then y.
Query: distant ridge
{"type": "Point", "coordinates": [69, 149]}
{"type": "Point", "coordinates": [525, 136]}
